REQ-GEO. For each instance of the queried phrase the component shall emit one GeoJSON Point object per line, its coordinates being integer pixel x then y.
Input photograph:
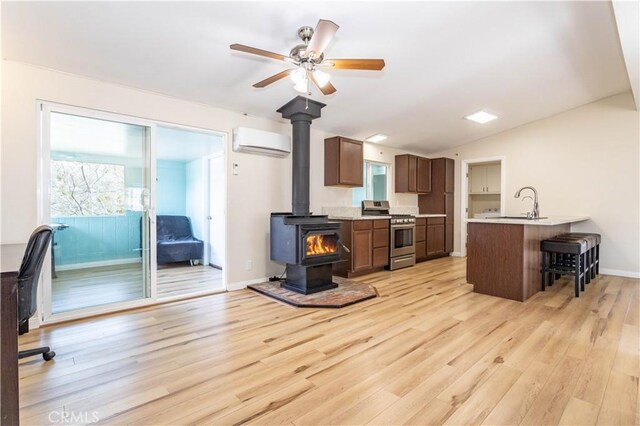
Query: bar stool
{"type": "Point", "coordinates": [595, 252]}
{"type": "Point", "coordinates": [589, 258]}
{"type": "Point", "coordinates": [565, 256]}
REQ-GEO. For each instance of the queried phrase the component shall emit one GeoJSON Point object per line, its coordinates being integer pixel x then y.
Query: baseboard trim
{"type": "Point", "coordinates": [619, 273]}
{"type": "Point", "coordinates": [455, 254]}
{"type": "Point", "coordinates": [97, 264]}
{"type": "Point", "coordinates": [243, 284]}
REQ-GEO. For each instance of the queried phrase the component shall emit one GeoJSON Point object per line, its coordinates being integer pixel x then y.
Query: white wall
{"type": "Point", "coordinates": [262, 186]}
{"type": "Point", "coordinates": [582, 162]}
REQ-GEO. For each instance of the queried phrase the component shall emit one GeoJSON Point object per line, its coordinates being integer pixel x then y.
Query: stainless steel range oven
{"type": "Point", "coordinates": [402, 229]}
{"type": "Point", "coordinates": [402, 247]}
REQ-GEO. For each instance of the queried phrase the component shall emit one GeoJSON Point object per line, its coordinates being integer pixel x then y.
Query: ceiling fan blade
{"type": "Point", "coordinates": [322, 36]}
{"type": "Point", "coordinates": [357, 64]}
{"type": "Point", "coordinates": [273, 79]}
{"type": "Point", "coordinates": [327, 89]}
{"type": "Point", "coordinates": [255, 51]}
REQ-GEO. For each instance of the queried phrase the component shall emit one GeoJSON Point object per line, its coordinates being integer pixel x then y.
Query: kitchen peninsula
{"type": "Point", "coordinates": [503, 254]}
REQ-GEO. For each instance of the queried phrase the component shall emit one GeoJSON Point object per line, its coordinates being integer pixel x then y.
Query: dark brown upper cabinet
{"type": "Point", "coordinates": [343, 160]}
{"type": "Point", "coordinates": [413, 174]}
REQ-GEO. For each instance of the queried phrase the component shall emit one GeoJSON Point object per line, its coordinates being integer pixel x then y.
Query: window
{"type": "Point", "coordinates": [375, 183]}
{"type": "Point", "coordinates": [86, 189]}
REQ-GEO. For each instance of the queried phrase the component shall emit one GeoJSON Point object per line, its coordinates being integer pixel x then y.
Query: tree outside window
{"type": "Point", "coordinates": [87, 189]}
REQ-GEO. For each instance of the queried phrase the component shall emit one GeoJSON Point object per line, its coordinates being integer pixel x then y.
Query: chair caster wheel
{"type": "Point", "coordinates": [48, 356]}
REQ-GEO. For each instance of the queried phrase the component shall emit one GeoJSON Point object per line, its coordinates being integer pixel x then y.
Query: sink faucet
{"type": "Point", "coordinates": [535, 213]}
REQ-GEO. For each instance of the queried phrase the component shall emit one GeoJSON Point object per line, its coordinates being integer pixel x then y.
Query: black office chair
{"type": "Point", "coordinates": [28, 278]}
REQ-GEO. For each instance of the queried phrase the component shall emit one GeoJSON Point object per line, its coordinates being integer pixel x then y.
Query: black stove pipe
{"type": "Point", "coordinates": [301, 111]}
{"type": "Point", "coordinates": [300, 164]}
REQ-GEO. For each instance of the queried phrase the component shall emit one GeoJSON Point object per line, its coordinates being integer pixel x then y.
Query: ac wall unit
{"type": "Point", "coordinates": [260, 142]}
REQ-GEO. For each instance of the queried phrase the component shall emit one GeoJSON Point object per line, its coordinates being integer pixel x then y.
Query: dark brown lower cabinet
{"type": "Point", "coordinates": [435, 240]}
{"type": "Point", "coordinates": [421, 238]}
{"type": "Point", "coordinates": [380, 257]}
{"type": "Point", "coordinates": [362, 251]}
{"type": "Point", "coordinates": [368, 242]}
{"type": "Point", "coordinates": [431, 238]}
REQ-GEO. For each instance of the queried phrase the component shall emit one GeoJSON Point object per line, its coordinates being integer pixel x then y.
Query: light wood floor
{"type": "Point", "coordinates": [81, 288]}
{"type": "Point", "coordinates": [427, 351]}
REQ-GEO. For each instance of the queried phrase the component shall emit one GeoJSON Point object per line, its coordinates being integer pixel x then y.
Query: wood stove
{"type": "Point", "coordinates": [308, 244]}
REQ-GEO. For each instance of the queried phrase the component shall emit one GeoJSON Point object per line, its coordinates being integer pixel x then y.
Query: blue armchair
{"type": "Point", "coordinates": [176, 242]}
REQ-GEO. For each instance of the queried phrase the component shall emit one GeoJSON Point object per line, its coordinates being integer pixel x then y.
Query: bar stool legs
{"type": "Point", "coordinates": [576, 254]}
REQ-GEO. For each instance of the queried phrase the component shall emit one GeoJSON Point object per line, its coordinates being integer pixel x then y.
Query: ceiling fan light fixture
{"type": "Point", "coordinates": [322, 78]}
{"type": "Point", "coordinates": [298, 75]}
{"type": "Point", "coordinates": [307, 57]}
{"type": "Point", "coordinates": [302, 86]}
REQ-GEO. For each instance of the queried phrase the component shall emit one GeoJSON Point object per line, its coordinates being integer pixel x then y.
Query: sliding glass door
{"type": "Point", "coordinates": [97, 174]}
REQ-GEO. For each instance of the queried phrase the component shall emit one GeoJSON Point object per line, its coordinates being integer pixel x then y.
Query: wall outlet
{"type": "Point", "coordinates": [248, 265]}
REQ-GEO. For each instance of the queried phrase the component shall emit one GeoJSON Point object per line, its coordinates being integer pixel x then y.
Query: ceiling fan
{"type": "Point", "coordinates": [308, 58]}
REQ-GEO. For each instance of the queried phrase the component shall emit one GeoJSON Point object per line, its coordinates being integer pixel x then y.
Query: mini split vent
{"type": "Point", "coordinates": [260, 142]}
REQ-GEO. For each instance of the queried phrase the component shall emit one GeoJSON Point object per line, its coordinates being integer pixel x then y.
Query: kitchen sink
{"type": "Point", "coordinates": [514, 217]}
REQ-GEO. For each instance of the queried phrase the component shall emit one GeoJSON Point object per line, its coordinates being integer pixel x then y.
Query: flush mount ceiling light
{"type": "Point", "coordinates": [378, 137]}
{"type": "Point", "coordinates": [481, 117]}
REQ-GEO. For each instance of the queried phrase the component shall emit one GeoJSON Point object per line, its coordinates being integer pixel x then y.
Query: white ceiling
{"type": "Point", "coordinates": [521, 60]}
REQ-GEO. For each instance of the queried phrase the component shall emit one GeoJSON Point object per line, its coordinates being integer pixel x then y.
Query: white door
{"type": "Point", "coordinates": [493, 178]}
{"type": "Point", "coordinates": [477, 179]}
{"type": "Point", "coordinates": [97, 186]}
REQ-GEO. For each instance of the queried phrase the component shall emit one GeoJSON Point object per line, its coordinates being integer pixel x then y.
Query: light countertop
{"type": "Point", "coordinates": [547, 221]}
{"type": "Point", "coordinates": [372, 217]}
{"type": "Point", "coordinates": [358, 217]}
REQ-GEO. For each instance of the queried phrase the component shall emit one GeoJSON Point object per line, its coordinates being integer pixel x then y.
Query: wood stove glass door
{"type": "Point", "coordinates": [318, 244]}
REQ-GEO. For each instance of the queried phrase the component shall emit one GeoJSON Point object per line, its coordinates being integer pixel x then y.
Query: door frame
{"type": "Point", "coordinates": [43, 156]}
{"type": "Point", "coordinates": [224, 154]}
{"type": "Point", "coordinates": [464, 193]}
{"type": "Point", "coordinates": [208, 197]}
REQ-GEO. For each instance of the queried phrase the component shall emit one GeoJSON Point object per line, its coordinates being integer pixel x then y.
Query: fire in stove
{"type": "Point", "coordinates": [321, 244]}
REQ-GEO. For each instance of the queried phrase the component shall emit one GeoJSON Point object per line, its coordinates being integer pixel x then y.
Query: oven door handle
{"type": "Point", "coordinates": [345, 247]}
{"type": "Point", "coordinates": [403, 226]}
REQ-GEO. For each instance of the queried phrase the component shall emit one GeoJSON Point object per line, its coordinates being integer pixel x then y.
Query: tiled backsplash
{"type": "Point", "coordinates": [413, 210]}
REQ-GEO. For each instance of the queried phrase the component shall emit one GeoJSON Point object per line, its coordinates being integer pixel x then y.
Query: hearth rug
{"type": "Point", "coordinates": [347, 293]}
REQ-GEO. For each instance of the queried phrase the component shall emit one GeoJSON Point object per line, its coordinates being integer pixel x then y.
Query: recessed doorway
{"type": "Point", "coordinates": [189, 211]}
{"type": "Point", "coordinates": [483, 192]}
